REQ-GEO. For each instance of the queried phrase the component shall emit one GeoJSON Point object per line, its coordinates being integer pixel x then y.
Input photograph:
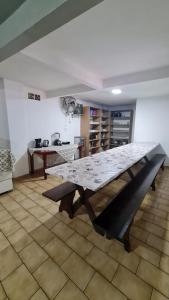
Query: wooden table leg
{"type": "Point", "coordinates": [44, 165]}
{"type": "Point", "coordinates": [31, 159]}
{"type": "Point", "coordinates": [84, 200]}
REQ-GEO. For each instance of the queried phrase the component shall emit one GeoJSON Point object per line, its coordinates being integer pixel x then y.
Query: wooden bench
{"type": "Point", "coordinates": [64, 192]}
{"type": "Point", "coordinates": [116, 219]}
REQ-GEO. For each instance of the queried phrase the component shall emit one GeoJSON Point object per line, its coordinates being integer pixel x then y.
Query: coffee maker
{"type": "Point", "coordinates": [38, 143]}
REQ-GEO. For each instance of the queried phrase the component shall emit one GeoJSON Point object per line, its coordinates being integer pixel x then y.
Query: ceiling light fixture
{"type": "Point", "coordinates": [116, 91]}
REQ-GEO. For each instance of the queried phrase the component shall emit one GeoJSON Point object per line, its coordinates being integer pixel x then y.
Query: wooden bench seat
{"type": "Point", "coordinates": [116, 219]}
{"type": "Point", "coordinates": [64, 192]}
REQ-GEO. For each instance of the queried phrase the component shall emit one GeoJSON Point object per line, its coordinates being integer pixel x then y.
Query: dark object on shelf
{"type": "Point", "coordinates": [116, 114]}
{"type": "Point", "coordinates": [38, 143]}
{"type": "Point", "coordinates": [116, 219]}
{"type": "Point", "coordinates": [45, 143]}
{"type": "Point", "coordinates": [55, 139]}
{"type": "Point", "coordinates": [65, 143]}
{"type": "Point", "coordinates": [57, 143]}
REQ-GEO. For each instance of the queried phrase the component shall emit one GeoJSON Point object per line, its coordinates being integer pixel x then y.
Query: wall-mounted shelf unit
{"type": "Point", "coordinates": [103, 129]}
{"type": "Point", "coordinates": [120, 127]}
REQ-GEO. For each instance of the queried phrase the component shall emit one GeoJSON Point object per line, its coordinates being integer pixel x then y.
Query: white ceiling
{"type": "Point", "coordinates": [34, 73]}
{"type": "Point", "coordinates": [130, 92]}
{"type": "Point", "coordinates": [116, 38]}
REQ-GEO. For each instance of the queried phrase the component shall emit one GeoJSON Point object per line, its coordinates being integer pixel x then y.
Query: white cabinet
{"type": "Point", "coordinates": [5, 182]}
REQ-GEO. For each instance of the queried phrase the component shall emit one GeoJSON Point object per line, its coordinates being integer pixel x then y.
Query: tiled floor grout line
{"type": "Point", "coordinates": [47, 254]}
{"type": "Point", "coordinates": [68, 238]}
{"type": "Point", "coordinates": [85, 237]}
{"type": "Point", "coordinates": [22, 263]}
{"type": "Point", "coordinates": [116, 286]}
{"type": "Point", "coordinates": [152, 222]}
{"type": "Point", "coordinates": [149, 232]}
{"type": "Point", "coordinates": [89, 281]}
{"type": "Point", "coordinates": [4, 290]}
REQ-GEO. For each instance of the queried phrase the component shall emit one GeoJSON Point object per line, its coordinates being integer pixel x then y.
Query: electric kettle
{"type": "Point", "coordinates": [45, 143]}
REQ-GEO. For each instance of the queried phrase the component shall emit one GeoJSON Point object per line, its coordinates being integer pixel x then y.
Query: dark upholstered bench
{"type": "Point", "coordinates": [116, 219]}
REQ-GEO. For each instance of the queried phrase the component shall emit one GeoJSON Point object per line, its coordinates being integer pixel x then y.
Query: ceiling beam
{"type": "Point", "coordinates": [142, 76]}
{"type": "Point", "coordinates": [67, 91]}
{"type": "Point", "coordinates": [35, 19]}
{"type": "Point", "coordinates": [61, 62]}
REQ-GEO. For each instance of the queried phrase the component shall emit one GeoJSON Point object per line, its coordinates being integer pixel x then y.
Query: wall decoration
{"type": "Point", "coordinates": [32, 96]}
{"type": "Point", "coordinates": [71, 107]}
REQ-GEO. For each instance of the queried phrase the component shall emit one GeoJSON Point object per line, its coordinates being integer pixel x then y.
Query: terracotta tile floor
{"type": "Point", "coordinates": [46, 255]}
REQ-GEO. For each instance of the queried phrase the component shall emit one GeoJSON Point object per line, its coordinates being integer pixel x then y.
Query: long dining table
{"type": "Point", "coordinates": [92, 173]}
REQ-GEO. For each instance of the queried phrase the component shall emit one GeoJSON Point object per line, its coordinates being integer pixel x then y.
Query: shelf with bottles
{"type": "Point", "coordinates": [94, 131]}
{"type": "Point", "coordinates": [119, 137]}
{"type": "Point", "coordinates": [104, 135]}
{"type": "Point", "coordinates": [105, 114]}
{"type": "Point", "coordinates": [94, 147]}
{"type": "Point", "coordinates": [104, 143]}
{"type": "Point", "coordinates": [94, 122]}
{"type": "Point", "coordinates": [117, 142]}
{"type": "Point", "coordinates": [94, 136]}
{"type": "Point", "coordinates": [120, 129]}
{"type": "Point", "coordinates": [94, 113]}
{"type": "Point", "coordinates": [104, 126]}
{"type": "Point", "coordinates": [94, 127]}
{"type": "Point", "coordinates": [94, 151]}
{"type": "Point", "coordinates": [120, 122]}
{"type": "Point", "coordinates": [121, 115]}
{"type": "Point", "coordinates": [104, 147]}
{"type": "Point", "coordinates": [94, 144]}
{"type": "Point", "coordinates": [121, 126]}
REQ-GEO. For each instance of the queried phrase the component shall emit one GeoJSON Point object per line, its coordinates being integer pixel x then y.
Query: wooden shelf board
{"type": "Point", "coordinates": [120, 137]}
{"type": "Point", "coordinates": [94, 140]}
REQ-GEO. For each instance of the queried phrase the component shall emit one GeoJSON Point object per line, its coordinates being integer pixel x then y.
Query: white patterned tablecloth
{"type": "Point", "coordinates": [6, 160]}
{"type": "Point", "coordinates": [66, 151]}
{"type": "Point", "coordinates": [95, 171]}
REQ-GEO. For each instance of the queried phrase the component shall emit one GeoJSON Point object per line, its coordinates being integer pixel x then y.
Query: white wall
{"type": "Point", "coordinates": [152, 121]}
{"type": "Point", "coordinates": [4, 132]}
{"type": "Point", "coordinates": [29, 119]}
{"type": "Point", "coordinates": [34, 119]}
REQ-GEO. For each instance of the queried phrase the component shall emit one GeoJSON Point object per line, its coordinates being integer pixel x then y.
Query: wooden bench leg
{"type": "Point", "coordinates": [67, 204]}
{"type": "Point", "coordinates": [126, 239]}
{"type": "Point", "coordinates": [84, 200]}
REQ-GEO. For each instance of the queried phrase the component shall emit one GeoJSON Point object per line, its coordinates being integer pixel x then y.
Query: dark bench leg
{"type": "Point", "coordinates": [162, 167]}
{"type": "Point", "coordinates": [126, 239]}
{"type": "Point", "coordinates": [130, 173]}
{"type": "Point", "coordinates": [67, 204]}
{"type": "Point", "coordinates": [146, 159]}
{"type": "Point", "coordinates": [153, 185]}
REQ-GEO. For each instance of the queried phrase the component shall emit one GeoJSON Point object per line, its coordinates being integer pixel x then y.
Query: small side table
{"type": "Point", "coordinates": [43, 155]}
